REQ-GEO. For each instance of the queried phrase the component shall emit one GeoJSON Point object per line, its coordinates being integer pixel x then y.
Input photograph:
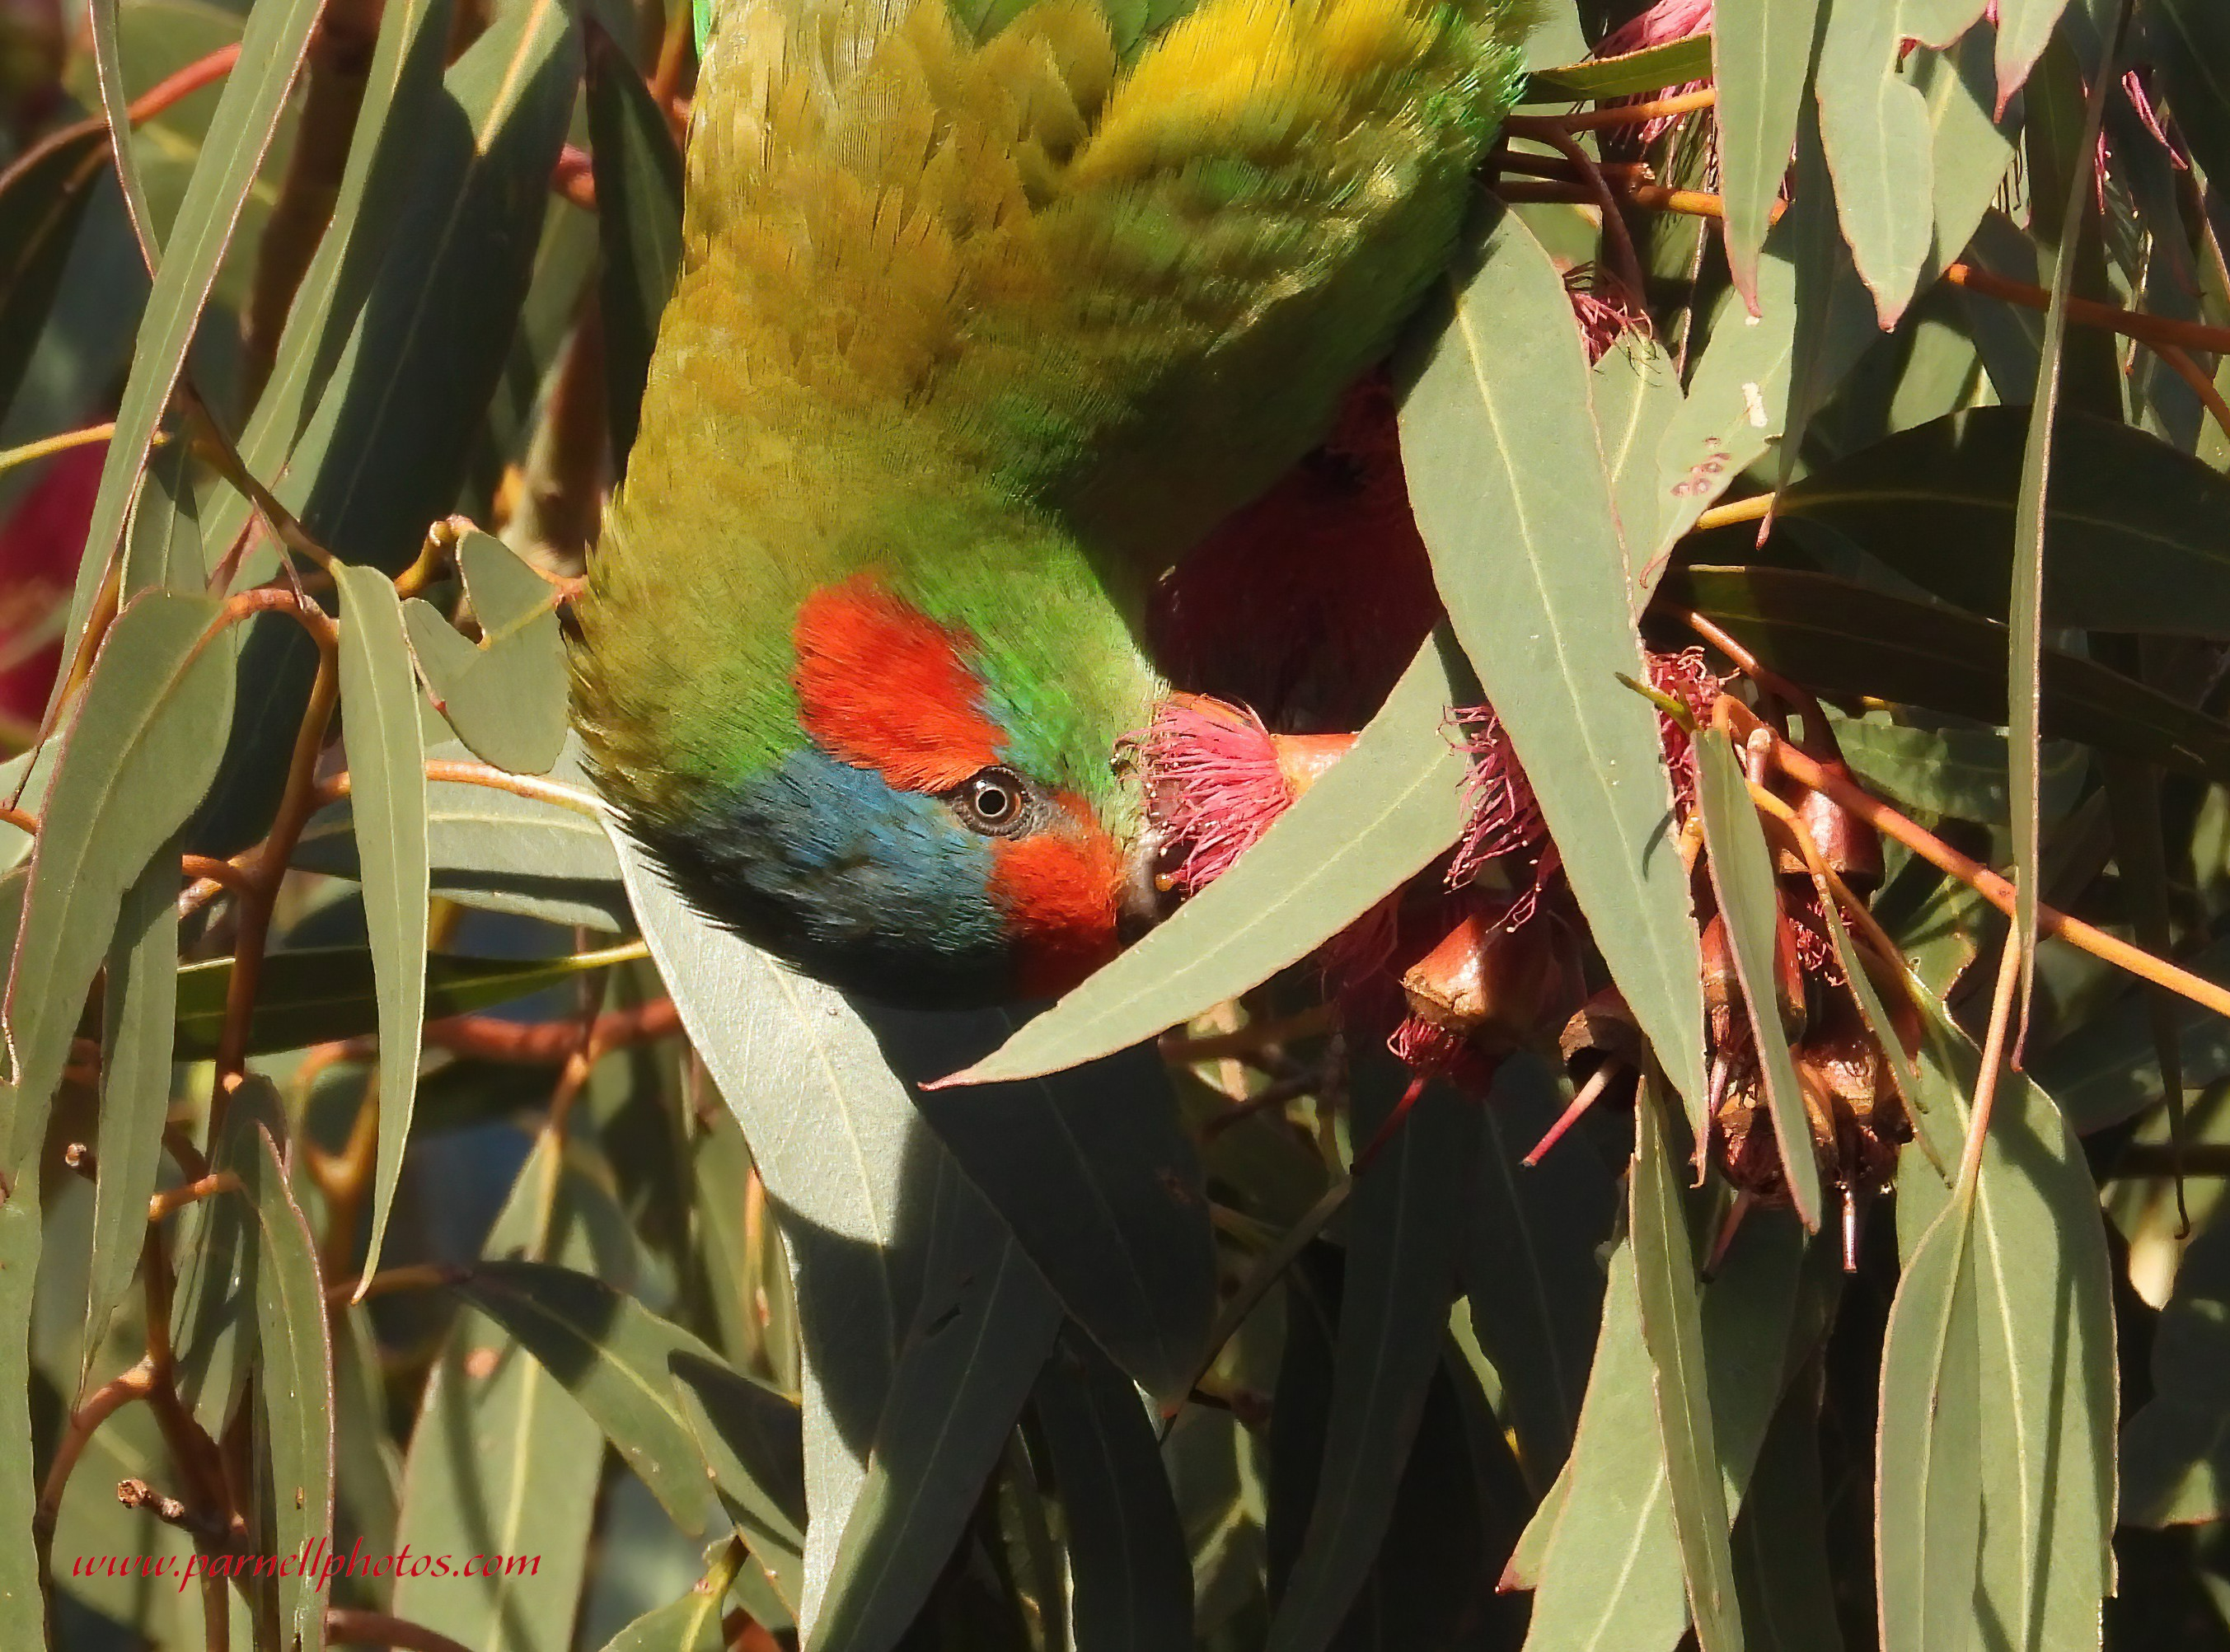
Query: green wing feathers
{"type": "Point", "coordinates": [1109, 283]}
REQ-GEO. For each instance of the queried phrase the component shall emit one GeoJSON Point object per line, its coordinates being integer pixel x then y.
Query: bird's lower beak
{"type": "Point", "coordinates": [1148, 895]}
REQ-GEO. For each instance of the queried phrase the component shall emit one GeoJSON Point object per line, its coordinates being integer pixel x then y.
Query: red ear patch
{"type": "Point", "coordinates": [1059, 887]}
{"type": "Point", "coordinates": [882, 686]}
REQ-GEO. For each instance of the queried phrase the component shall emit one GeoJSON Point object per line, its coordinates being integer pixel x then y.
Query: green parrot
{"type": "Point", "coordinates": [987, 314]}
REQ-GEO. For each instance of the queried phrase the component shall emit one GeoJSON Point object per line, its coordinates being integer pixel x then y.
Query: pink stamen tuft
{"type": "Point", "coordinates": [1504, 817]}
{"type": "Point", "coordinates": [1684, 676]}
{"type": "Point", "coordinates": [1212, 786]}
{"type": "Point", "coordinates": [1432, 1052]}
{"type": "Point", "coordinates": [1663, 23]}
{"type": "Point", "coordinates": [1605, 311]}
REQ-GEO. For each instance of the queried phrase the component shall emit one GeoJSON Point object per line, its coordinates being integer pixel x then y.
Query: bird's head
{"type": "Point", "coordinates": [918, 798]}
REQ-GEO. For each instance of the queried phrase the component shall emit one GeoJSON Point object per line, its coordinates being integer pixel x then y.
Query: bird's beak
{"type": "Point", "coordinates": [1148, 894]}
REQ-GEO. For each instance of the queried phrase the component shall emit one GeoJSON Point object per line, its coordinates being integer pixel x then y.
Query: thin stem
{"type": "Point", "coordinates": [255, 908]}
{"type": "Point", "coordinates": [171, 1201]}
{"type": "Point", "coordinates": [425, 1276]}
{"type": "Point", "coordinates": [1625, 261]}
{"type": "Point", "coordinates": [1994, 1061]}
{"type": "Point", "coordinates": [173, 89]}
{"type": "Point", "coordinates": [1640, 114]}
{"type": "Point", "coordinates": [2151, 330]}
{"type": "Point", "coordinates": [1720, 516]}
{"type": "Point", "coordinates": [1992, 887]}
{"type": "Point", "coordinates": [492, 1039]}
{"type": "Point", "coordinates": [31, 452]}
{"type": "Point", "coordinates": [102, 1404]}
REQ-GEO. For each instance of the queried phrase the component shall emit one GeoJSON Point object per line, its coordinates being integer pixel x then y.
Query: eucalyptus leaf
{"type": "Point", "coordinates": [1841, 638]}
{"type": "Point", "coordinates": [1742, 869]}
{"type": "Point", "coordinates": [139, 1008]}
{"type": "Point", "coordinates": [1403, 1232]}
{"type": "Point", "coordinates": [387, 771]}
{"type": "Point", "coordinates": [138, 757]}
{"type": "Point", "coordinates": [2137, 533]}
{"type": "Point", "coordinates": [1133, 1584]}
{"type": "Point", "coordinates": [1673, 1331]}
{"type": "Point", "coordinates": [1510, 495]}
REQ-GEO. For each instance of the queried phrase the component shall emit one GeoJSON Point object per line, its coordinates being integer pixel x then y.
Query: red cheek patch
{"type": "Point", "coordinates": [882, 686]}
{"type": "Point", "coordinates": [1059, 888]}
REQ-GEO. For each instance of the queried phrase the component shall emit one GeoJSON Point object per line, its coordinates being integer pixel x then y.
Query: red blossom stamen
{"type": "Point", "coordinates": [1504, 817]}
{"type": "Point", "coordinates": [1683, 677]}
{"type": "Point", "coordinates": [1212, 785]}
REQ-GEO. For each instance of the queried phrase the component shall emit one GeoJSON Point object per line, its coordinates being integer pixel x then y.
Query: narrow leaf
{"type": "Point", "coordinates": [1530, 1267]}
{"type": "Point", "coordinates": [982, 1332]}
{"type": "Point", "coordinates": [1672, 1329]}
{"type": "Point", "coordinates": [1627, 75]}
{"type": "Point", "coordinates": [1743, 879]}
{"type": "Point", "coordinates": [294, 1381]}
{"type": "Point", "coordinates": [1404, 1227]}
{"type": "Point", "coordinates": [387, 774]}
{"type": "Point", "coordinates": [849, 1195]}
{"type": "Point", "coordinates": [503, 1461]}
{"type": "Point", "coordinates": [1527, 554]}
{"type": "Point", "coordinates": [638, 172]}
{"type": "Point", "coordinates": [2024, 604]}
{"type": "Point", "coordinates": [1760, 54]}
{"type": "Point", "coordinates": [1928, 1496]}
{"type": "Point", "coordinates": [246, 114]}
{"type": "Point", "coordinates": [1133, 1584]}
{"type": "Point", "coordinates": [1841, 638]}
{"type": "Point", "coordinates": [22, 1588]}
{"type": "Point", "coordinates": [137, 758]}
{"type": "Point", "coordinates": [1090, 1171]}
{"type": "Point", "coordinates": [611, 1355]}
{"type": "Point", "coordinates": [138, 1006]}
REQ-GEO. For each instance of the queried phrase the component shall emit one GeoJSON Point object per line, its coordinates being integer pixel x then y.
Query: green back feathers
{"type": "Point", "coordinates": [1010, 309]}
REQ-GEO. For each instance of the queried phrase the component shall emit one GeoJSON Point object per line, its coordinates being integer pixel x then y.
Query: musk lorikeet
{"type": "Point", "coordinates": [987, 315]}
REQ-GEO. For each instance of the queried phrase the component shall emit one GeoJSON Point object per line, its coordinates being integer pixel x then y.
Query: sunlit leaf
{"type": "Point", "coordinates": [137, 758]}
{"type": "Point", "coordinates": [271, 48]}
{"type": "Point", "coordinates": [387, 771]}
{"type": "Point", "coordinates": [1508, 486]}
{"type": "Point", "coordinates": [1760, 57]}
{"type": "Point", "coordinates": [1928, 1489]}
{"type": "Point", "coordinates": [853, 1195]}
{"type": "Point", "coordinates": [1650, 70]}
{"type": "Point", "coordinates": [1742, 869]}
{"type": "Point", "coordinates": [139, 1007]}
{"type": "Point", "coordinates": [294, 1381]}
{"type": "Point", "coordinates": [1610, 1580]}
{"type": "Point", "coordinates": [503, 1460]}
{"type": "Point", "coordinates": [1673, 1331]}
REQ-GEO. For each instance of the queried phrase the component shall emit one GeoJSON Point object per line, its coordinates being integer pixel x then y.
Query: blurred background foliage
{"type": "Point", "coordinates": [733, 1332]}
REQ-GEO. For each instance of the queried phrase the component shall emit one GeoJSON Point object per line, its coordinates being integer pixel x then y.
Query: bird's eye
{"type": "Point", "coordinates": [995, 801]}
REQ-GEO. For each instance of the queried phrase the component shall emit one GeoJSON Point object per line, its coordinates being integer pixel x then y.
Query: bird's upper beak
{"type": "Point", "coordinates": [1148, 894]}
